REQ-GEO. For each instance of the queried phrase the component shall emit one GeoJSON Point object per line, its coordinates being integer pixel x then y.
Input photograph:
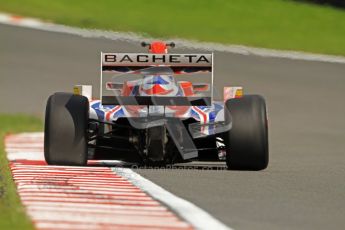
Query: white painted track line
{"type": "Point", "coordinates": [194, 215]}
{"type": "Point", "coordinates": [94, 197]}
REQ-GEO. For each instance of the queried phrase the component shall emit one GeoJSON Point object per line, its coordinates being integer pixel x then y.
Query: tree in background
{"type": "Point", "coordinates": [336, 3]}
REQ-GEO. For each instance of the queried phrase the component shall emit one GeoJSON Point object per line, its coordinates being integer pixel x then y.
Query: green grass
{"type": "Point", "coordinates": [12, 214]}
{"type": "Point", "coordinates": [279, 24]}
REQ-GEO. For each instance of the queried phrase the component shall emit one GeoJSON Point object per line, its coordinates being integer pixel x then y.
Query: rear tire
{"type": "Point", "coordinates": [247, 141]}
{"type": "Point", "coordinates": [65, 131]}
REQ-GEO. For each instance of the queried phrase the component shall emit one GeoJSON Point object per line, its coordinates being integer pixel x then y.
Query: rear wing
{"type": "Point", "coordinates": [121, 64]}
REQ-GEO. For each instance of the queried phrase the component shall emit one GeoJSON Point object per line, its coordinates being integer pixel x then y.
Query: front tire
{"type": "Point", "coordinates": [247, 141]}
{"type": "Point", "coordinates": [65, 131]}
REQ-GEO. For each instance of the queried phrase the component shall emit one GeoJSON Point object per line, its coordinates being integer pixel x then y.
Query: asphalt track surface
{"type": "Point", "coordinates": [304, 185]}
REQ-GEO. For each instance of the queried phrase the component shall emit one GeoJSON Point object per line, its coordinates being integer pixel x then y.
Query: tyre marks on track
{"type": "Point", "coordinates": [60, 197]}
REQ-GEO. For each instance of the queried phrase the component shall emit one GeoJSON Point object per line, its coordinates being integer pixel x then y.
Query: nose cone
{"type": "Point", "coordinates": [157, 89]}
{"type": "Point", "coordinates": [158, 85]}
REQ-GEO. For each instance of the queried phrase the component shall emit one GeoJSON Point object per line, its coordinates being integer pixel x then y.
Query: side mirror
{"type": "Point", "coordinates": [144, 44]}
{"type": "Point", "coordinates": [171, 44]}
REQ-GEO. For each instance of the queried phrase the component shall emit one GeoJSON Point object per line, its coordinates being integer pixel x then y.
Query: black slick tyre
{"type": "Point", "coordinates": [247, 141]}
{"type": "Point", "coordinates": [65, 131]}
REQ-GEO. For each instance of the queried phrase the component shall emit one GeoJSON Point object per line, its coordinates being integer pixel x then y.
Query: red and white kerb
{"type": "Point", "coordinates": [94, 197]}
{"type": "Point", "coordinates": [61, 197]}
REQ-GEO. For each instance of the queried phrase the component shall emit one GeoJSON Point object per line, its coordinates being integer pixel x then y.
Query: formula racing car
{"type": "Point", "coordinates": [157, 108]}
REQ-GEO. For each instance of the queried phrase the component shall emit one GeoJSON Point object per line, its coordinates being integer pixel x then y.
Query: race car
{"type": "Point", "coordinates": [157, 108]}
